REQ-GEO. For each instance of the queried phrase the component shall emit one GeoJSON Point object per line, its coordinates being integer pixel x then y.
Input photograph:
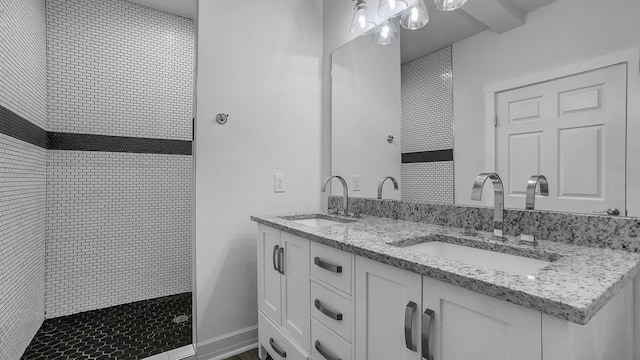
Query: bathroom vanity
{"type": "Point", "coordinates": [332, 287]}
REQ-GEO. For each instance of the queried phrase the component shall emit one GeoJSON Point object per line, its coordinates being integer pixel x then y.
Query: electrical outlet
{"type": "Point", "coordinates": [356, 183]}
{"type": "Point", "coordinates": [278, 183]}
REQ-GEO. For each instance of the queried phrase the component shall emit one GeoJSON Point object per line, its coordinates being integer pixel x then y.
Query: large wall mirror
{"type": "Point", "coordinates": [530, 87]}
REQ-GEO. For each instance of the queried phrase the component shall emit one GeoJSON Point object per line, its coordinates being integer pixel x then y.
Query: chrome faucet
{"type": "Point", "coordinates": [530, 239]}
{"type": "Point", "coordinates": [498, 198]}
{"type": "Point", "coordinates": [531, 190]}
{"type": "Point", "coordinates": [345, 199]}
{"type": "Point", "coordinates": [395, 185]}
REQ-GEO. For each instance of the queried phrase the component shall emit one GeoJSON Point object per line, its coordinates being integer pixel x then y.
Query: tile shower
{"type": "Point", "coordinates": [95, 173]}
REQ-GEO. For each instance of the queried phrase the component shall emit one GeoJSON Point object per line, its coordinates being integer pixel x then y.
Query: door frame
{"type": "Point", "coordinates": [631, 57]}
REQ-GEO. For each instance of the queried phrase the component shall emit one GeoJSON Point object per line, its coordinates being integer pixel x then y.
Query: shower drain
{"type": "Point", "coordinates": [180, 319]}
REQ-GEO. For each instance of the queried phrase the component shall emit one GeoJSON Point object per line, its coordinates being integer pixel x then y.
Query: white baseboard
{"type": "Point", "coordinates": [227, 345]}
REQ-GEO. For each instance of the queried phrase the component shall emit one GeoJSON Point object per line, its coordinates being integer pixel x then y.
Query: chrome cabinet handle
{"type": "Point", "coordinates": [610, 212]}
{"type": "Point", "coordinates": [274, 346]}
{"type": "Point", "coordinates": [408, 325]}
{"type": "Point", "coordinates": [275, 253]}
{"type": "Point", "coordinates": [327, 266]}
{"type": "Point", "coordinates": [329, 313]}
{"type": "Point", "coordinates": [427, 318]}
{"type": "Point", "coordinates": [324, 353]}
{"type": "Point", "coordinates": [281, 260]}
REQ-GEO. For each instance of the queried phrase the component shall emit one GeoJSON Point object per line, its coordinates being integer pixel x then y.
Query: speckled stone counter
{"type": "Point", "coordinates": [579, 281]}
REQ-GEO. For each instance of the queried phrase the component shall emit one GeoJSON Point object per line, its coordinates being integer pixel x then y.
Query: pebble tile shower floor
{"type": "Point", "coordinates": [125, 332]}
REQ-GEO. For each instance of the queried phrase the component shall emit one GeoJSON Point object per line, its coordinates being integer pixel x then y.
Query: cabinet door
{"type": "Point", "coordinates": [468, 325]}
{"type": "Point", "coordinates": [296, 289]}
{"type": "Point", "coordinates": [382, 299]}
{"type": "Point", "coordinates": [269, 287]}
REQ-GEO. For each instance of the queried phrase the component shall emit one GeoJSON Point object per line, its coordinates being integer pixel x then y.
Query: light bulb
{"type": "Point", "coordinates": [386, 34]}
{"type": "Point", "coordinates": [449, 5]}
{"type": "Point", "coordinates": [416, 17]}
{"type": "Point", "coordinates": [391, 8]}
{"type": "Point", "coordinates": [360, 24]}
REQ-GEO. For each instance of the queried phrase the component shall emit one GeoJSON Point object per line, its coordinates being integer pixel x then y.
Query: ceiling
{"type": "Point", "coordinates": [184, 8]}
{"type": "Point", "coordinates": [446, 28]}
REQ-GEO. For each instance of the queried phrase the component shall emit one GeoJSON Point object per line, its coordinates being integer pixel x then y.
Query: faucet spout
{"type": "Point", "coordinates": [395, 185]}
{"type": "Point", "coordinates": [498, 198]}
{"type": "Point", "coordinates": [531, 190]}
{"type": "Point", "coordinates": [345, 198]}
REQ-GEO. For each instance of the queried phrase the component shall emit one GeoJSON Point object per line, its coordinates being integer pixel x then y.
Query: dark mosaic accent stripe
{"type": "Point", "coordinates": [427, 156]}
{"type": "Point", "coordinates": [87, 142]}
{"type": "Point", "coordinates": [125, 332]}
{"type": "Point", "coordinates": [12, 124]}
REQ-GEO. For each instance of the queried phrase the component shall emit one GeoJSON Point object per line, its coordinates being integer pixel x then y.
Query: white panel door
{"type": "Point", "coordinates": [468, 325]}
{"type": "Point", "coordinates": [572, 130]}
{"type": "Point", "coordinates": [269, 287]}
{"type": "Point", "coordinates": [381, 299]}
{"type": "Point", "coordinates": [296, 290]}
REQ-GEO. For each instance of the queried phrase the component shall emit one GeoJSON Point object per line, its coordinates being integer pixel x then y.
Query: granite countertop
{"type": "Point", "coordinates": [579, 281]}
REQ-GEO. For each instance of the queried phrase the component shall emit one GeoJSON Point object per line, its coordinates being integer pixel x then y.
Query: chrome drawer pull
{"type": "Point", "coordinates": [408, 325]}
{"type": "Point", "coordinates": [327, 266]}
{"type": "Point", "coordinates": [427, 318]}
{"type": "Point", "coordinates": [329, 313]}
{"type": "Point", "coordinates": [281, 260]}
{"type": "Point", "coordinates": [275, 252]}
{"type": "Point", "coordinates": [324, 353]}
{"type": "Point", "coordinates": [274, 346]}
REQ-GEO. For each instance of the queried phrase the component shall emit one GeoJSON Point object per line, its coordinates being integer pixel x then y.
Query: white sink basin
{"type": "Point", "coordinates": [512, 264]}
{"type": "Point", "coordinates": [317, 222]}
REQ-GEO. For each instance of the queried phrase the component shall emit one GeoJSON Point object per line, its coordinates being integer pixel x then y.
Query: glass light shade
{"type": "Point", "coordinates": [415, 17]}
{"type": "Point", "coordinates": [449, 5]}
{"type": "Point", "coordinates": [360, 24]}
{"type": "Point", "coordinates": [386, 33]}
{"type": "Point", "coordinates": [390, 8]}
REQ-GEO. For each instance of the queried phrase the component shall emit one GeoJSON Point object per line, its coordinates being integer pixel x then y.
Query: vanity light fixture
{"type": "Point", "coordinates": [360, 23]}
{"type": "Point", "coordinates": [415, 17]}
{"type": "Point", "coordinates": [386, 33]}
{"type": "Point", "coordinates": [449, 5]}
{"type": "Point", "coordinates": [391, 8]}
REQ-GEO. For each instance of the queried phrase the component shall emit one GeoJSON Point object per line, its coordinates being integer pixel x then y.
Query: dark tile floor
{"type": "Point", "coordinates": [124, 332]}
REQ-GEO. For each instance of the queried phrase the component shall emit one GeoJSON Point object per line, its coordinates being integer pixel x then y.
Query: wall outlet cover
{"type": "Point", "coordinates": [356, 183]}
{"type": "Point", "coordinates": [278, 183]}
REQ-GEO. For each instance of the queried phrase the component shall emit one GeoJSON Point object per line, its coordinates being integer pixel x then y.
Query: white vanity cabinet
{"type": "Point", "coordinates": [387, 319]}
{"type": "Point", "coordinates": [332, 312]}
{"type": "Point", "coordinates": [283, 293]}
{"type": "Point", "coordinates": [468, 325]}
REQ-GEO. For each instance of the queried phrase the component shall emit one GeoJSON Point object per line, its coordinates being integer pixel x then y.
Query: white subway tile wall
{"type": "Point", "coordinates": [118, 229]}
{"type": "Point", "coordinates": [23, 59]}
{"type": "Point", "coordinates": [427, 102]}
{"type": "Point", "coordinates": [427, 182]}
{"type": "Point", "coordinates": [118, 68]}
{"type": "Point", "coordinates": [118, 224]}
{"type": "Point", "coordinates": [23, 90]}
{"type": "Point", "coordinates": [427, 125]}
{"type": "Point", "coordinates": [22, 243]}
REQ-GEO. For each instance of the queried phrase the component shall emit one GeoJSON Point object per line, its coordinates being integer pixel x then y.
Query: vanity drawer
{"type": "Point", "coordinates": [331, 309]}
{"type": "Point", "coordinates": [275, 342]}
{"type": "Point", "coordinates": [331, 266]}
{"type": "Point", "coordinates": [326, 345]}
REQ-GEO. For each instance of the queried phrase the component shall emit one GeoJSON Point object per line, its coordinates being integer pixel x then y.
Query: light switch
{"type": "Point", "coordinates": [278, 183]}
{"type": "Point", "coordinates": [355, 183]}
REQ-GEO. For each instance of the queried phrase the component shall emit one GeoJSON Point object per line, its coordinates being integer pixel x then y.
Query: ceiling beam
{"type": "Point", "coordinates": [498, 15]}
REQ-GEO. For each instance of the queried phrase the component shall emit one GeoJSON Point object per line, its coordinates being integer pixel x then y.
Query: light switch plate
{"type": "Point", "coordinates": [278, 183]}
{"type": "Point", "coordinates": [356, 183]}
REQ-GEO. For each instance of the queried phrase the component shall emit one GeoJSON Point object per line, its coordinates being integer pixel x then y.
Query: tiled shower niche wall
{"type": "Point", "coordinates": [22, 175]}
{"type": "Point", "coordinates": [427, 125]}
{"type": "Point", "coordinates": [118, 224]}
